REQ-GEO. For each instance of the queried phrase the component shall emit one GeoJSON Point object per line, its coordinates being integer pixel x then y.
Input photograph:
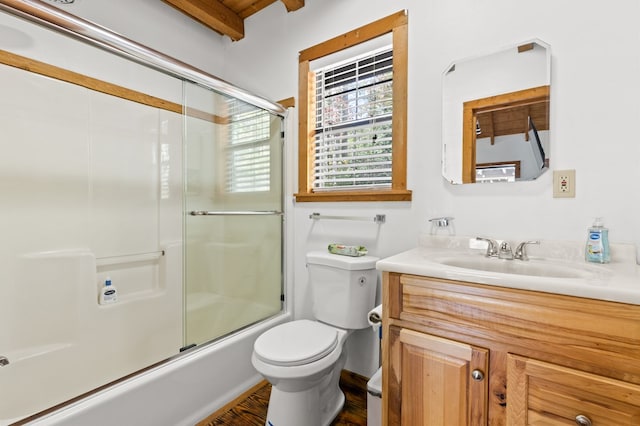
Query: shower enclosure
{"type": "Point", "coordinates": [145, 171]}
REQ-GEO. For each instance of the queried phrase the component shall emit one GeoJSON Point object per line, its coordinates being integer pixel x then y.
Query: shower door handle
{"type": "Point", "coordinates": [236, 213]}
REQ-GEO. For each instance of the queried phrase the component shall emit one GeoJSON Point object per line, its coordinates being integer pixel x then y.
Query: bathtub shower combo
{"type": "Point", "coordinates": [122, 163]}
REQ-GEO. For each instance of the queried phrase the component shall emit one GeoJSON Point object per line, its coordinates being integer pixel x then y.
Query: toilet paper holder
{"type": "Point", "coordinates": [375, 320]}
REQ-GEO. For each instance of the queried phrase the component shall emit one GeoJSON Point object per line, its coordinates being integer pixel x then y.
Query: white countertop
{"type": "Point", "coordinates": [617, 281]}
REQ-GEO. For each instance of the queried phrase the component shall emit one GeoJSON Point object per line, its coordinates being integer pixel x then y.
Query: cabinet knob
{"type": "Point", "coordinates": [478, 375]}
{"type": "Point", "coordinates": [583, 420]}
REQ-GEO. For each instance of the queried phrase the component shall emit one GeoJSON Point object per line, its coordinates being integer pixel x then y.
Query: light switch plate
{"type": "Point", "coordinates": [564, 184]}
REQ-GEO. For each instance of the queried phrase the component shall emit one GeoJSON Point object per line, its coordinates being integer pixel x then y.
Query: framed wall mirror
{"type": "Point", "coordinates": [495, 115]}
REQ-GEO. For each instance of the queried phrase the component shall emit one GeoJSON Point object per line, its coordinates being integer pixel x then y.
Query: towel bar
{"type": "Point", "coordinates": [379, 218]}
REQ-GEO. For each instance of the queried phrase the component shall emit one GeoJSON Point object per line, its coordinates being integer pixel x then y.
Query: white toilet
{"type": "Point", "coordinates": [303, 359]}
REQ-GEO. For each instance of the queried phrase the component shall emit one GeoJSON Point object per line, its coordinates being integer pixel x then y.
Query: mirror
{"type": "Point", "coordinates": [495, 116]}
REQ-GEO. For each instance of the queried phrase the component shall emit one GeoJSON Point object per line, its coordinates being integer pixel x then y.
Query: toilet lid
{"type": "Point", "coordinates": [296, 343]}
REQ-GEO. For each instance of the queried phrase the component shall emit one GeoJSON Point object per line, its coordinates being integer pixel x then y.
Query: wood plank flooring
{"type": "Point", "coordinates": [251, 410]}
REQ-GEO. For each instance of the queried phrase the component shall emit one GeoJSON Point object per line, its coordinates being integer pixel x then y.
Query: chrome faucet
{"type": "Point", "coordinates": [492, 246]}
{"type": "Point", "coordinates": [3, 361]}
{"type": "Point", "coordinates": [521, 252]}
{"type": "Point", "coordinates": [505, 251]}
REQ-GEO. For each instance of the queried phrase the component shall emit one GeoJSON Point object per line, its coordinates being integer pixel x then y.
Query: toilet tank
{"type": "Point", "coordinates": [343, 288]}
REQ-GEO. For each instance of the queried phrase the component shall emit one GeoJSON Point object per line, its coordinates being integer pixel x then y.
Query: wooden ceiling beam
{"type": "Point", "coordinates": [214, 15]}
{"type": "Point", "coordinates": [244, 11]}
{"type": "Point", "coordinates": [292, 5]}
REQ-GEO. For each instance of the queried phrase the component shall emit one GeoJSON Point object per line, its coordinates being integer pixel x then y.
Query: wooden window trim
{"type": "Point", "coordinates": [397, 24]}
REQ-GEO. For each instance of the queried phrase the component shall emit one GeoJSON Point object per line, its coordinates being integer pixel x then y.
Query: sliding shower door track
{"type": "Point", "coordinates": [61, 21]}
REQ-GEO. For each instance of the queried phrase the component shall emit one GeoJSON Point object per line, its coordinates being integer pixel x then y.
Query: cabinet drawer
{"type": "Point", "coordinates": [592, 335]}
{"type": "Point", "coordinates": [544, 393]}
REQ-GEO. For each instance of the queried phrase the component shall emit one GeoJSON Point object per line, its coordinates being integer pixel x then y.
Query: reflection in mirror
{"type": "Point", "coordinates": [500, 131]}
{"type": "Point", "coordinates": [496, 116]}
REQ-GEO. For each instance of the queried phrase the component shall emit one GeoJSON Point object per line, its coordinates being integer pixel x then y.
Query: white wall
{"type": "Point", "coordinates": [594, 111]}
{"type": "Point", "coordinates": [595, 64]}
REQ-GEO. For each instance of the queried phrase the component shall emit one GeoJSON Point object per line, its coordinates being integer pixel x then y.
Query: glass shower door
{"type": "Point", "coordinates": [233, 215]}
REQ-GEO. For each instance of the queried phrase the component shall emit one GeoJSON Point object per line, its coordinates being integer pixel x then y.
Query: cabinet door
{"type": "Point", "coordinates": [435, 381]}
{"type": "Point", "coordinates": [539, 393]}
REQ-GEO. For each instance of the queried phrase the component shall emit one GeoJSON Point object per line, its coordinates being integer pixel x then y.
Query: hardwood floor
{"type": "Point", "coordinates": [251, 409]}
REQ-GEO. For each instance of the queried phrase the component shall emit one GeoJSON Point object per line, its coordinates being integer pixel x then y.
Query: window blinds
{"type": "Point", "coordinates": [248, 159]}
{"type": "Point", "coordinates": [353, 123]}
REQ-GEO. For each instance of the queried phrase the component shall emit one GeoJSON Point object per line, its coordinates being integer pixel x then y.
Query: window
{"type": "Point", "coordinates": [353, 131]}
{"type": "Point", "coordinates": [498, 172]}
{"type": "Point", "coordinates": [248, 159]}
{"type": "Point", "coordinates": [352, 138]}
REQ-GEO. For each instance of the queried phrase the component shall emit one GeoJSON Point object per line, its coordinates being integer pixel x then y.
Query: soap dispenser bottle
{"type": "Point", "coordinates": [597, 248]}
{"type": "Point", "coordinates": [108, 293]}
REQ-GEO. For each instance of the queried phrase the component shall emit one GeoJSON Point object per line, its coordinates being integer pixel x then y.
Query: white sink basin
{"type": "Point", "coordinates": [538, 268]}
{"type": "Point", "coordinates": [556, 267]}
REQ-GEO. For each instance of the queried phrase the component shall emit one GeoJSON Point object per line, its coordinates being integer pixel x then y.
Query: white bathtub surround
{"type": "Point", "coordinates": [554, 267]}
{"type": "Point", "coordinates": [92, 188]}
{"type": "Point", "coordinates": [84, 196]}
{"type": "Point", "coordinates": [74, 212]}
{"type": "Point", "coordinates": [71, 349]}
{"type": "Point", "coordinates": [181, 392]}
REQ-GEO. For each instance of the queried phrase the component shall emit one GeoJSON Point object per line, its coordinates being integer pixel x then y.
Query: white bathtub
{"type": "Point", "coordinates": [182, 391]}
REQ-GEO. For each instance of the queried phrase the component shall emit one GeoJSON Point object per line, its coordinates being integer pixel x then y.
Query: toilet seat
{"type": "Point", "coordinates": [296, 343]}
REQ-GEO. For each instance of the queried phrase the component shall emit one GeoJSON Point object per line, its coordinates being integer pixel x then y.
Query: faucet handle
{"type": "Point", "coordinates": [492, 246]}
{"type": "Point", "coordinates": [521, 252]}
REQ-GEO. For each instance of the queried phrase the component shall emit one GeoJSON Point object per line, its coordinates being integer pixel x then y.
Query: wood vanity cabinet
{"type": "Point", "coordinates": [457, 353]}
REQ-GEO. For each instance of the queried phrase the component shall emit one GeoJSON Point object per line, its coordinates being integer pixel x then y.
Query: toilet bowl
{"type": "Point", "coordinates": [304, 376]}
{"type": "Point", "coordinates": [303, 359]}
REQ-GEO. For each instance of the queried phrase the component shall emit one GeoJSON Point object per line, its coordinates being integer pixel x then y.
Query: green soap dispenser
{"type": "Point", "coordinates": [597, 247]}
